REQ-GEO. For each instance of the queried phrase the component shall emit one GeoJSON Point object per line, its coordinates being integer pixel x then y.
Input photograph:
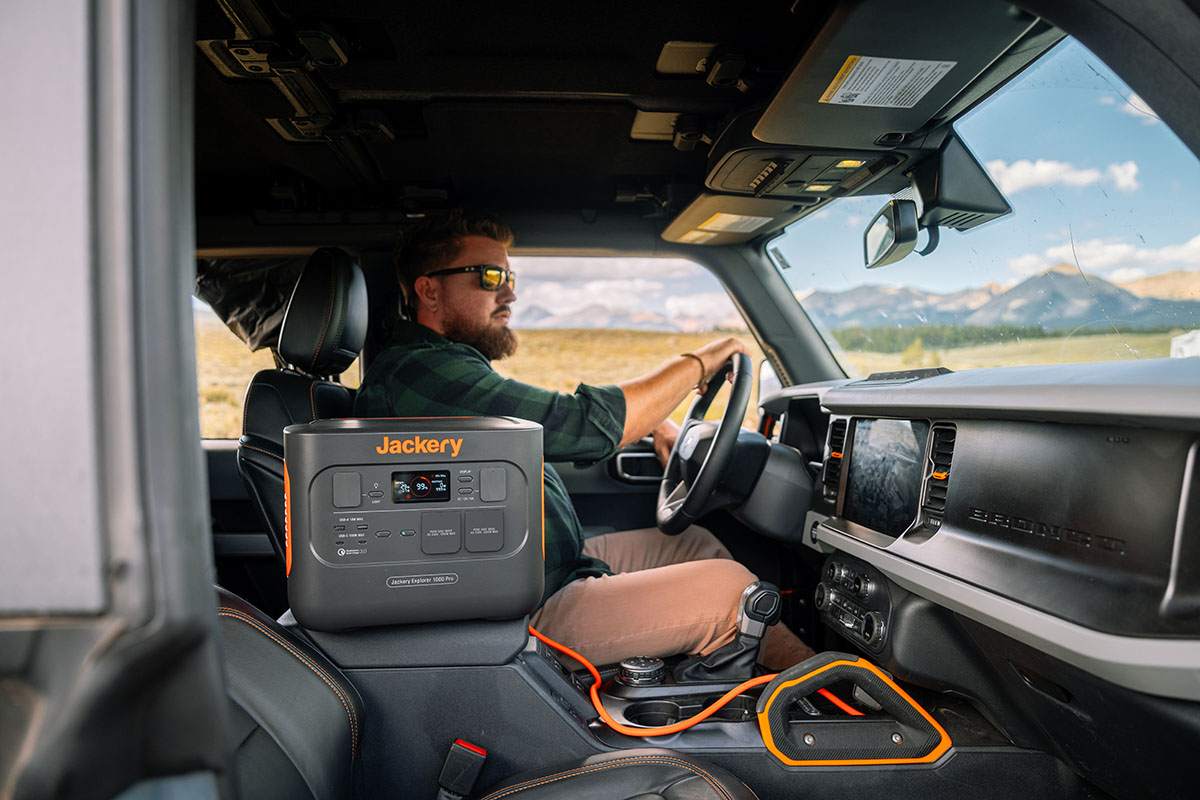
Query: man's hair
{"type": "Point", "coordinates": [435, 241]}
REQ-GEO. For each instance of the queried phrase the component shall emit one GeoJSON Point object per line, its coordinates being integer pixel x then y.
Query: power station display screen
{"type": "Point", "coordinates": [887, 462]}
{"type": "Point", "coordinates": [426, 486]}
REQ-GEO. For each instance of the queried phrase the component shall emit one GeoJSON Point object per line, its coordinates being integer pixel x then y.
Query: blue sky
{"type": "Point", "coordinates": [1092, 174]}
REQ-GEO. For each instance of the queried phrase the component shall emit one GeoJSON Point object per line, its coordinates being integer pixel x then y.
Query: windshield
{"type": "Point", "coordinates": [1099, 260]}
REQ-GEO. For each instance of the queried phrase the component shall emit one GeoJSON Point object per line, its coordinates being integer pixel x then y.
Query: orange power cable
{"type": "Point", "coordinates": [840, 703]}
{"type": "Point", "coordinates": [664, 730]}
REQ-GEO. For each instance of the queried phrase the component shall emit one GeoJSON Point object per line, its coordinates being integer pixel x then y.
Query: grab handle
{"type": "Point", "coordinates": [906, 735]}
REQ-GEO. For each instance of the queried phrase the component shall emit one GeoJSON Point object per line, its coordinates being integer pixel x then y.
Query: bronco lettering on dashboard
{"type": "Point", "coordinates": [419, 445]}
{"type": "Point", "coordinates": [1045, 530]}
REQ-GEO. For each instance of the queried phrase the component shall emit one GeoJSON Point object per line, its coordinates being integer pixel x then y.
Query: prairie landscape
{"type": "Point", "coordinates": [561, 359]}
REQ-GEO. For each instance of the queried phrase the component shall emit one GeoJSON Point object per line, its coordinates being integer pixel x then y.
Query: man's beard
{"type": "Point", "coordinates": [494, 342]}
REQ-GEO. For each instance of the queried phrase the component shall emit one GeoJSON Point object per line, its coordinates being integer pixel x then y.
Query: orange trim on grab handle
{"type": "Point", "coordinates": [764, 724]}
{"type": "Point", "coordinates": [543, 510]}
{"type": "Point", "coordinates": [834, 455]}
{"type": "Point", "coordinates": [941, 476]}
{"type": "Point", "coordinates": [287, 521]}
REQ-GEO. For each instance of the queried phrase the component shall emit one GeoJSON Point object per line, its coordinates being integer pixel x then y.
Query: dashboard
{"type": "Point", "coordinates": [1057, 506]}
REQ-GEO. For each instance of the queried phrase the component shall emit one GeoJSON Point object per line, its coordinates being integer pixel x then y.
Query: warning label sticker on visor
{"type": "Point", "coordinates": [884, 82]}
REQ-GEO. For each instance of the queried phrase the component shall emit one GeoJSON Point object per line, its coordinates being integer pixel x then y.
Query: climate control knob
{"type": "Point", "coordinates": [862, 586]}
{"type": "Point", "coordinates": [822, 596]}
{"type": "Point", "coordinates": [872, 628]}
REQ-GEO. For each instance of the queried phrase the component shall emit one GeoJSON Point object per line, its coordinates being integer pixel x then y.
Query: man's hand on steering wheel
{"type": "Point", "coordinates": [704, 451]}
{"type": "Point", "coordinates": [714, 355]}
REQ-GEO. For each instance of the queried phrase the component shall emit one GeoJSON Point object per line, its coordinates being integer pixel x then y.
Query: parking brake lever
{"type": "Point", "coordinates": [758, 610]}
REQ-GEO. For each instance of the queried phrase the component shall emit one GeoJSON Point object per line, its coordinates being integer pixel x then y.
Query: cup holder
{"type": "Point", "coordinates": [654, 713]}
{"type": "Point", "coordinates": [665, 711]}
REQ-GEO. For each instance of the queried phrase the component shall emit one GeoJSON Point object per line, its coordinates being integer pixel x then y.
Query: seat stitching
{"type": "Point", "coordinates": [322, 674]}
{"type": "Point", "coordinates": [260, 450]}
{"type": "Point", "coordinates": [346, 704]}
{"type": "Point", "coordinates": [246, 406]}
{"type": "Point", "coordinates": [312, 397]}
{"type": "Point", "coordinates": [627, 761]}
{"type": "Point", "coordinates": [328, 314]}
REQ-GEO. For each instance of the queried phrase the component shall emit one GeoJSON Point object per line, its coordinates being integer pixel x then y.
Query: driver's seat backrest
{"type": "Point", "coordinates": [324, 327]}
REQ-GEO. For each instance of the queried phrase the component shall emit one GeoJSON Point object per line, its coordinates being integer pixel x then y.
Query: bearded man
{"type": "Point", "coordinates": [612, 596]}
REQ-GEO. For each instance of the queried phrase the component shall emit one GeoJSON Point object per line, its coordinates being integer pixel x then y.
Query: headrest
{"type": "Point", "coordinates": [325, 324]}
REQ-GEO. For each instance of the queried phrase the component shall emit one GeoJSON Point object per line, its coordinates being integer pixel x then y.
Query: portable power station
{"type": "Point", "coordinates": [413, 520]}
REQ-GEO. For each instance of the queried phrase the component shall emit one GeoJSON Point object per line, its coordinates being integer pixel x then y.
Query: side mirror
{"type": "Point", "coordinates": [892, 234]}
{"type": "Point", "coordinates": [768, 381]}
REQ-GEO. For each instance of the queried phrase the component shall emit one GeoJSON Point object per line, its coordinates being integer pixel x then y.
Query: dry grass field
{"type": "Point", "coordinates": [561, 359]}
{"type": "Point", "coordinates": [1062, 350]}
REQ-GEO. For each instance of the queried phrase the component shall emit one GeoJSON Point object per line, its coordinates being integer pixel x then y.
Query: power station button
{"type": "Point", "coordinates": [492, 488]}
{"type": "Point", "coordinates": [347, 489]}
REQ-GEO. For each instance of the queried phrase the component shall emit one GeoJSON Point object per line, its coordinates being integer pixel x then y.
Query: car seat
{"type": "Point", "coordinates": [324, 327]}
{"type": "Point", "coordinates": [298, 728]}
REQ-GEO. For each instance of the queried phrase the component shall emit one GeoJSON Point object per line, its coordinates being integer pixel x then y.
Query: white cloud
{"type": "Point", "coordinates": [1026, 174]}
{"type": "Point", "coordinates": [558, 298]}
{"type": "Point", "coordinates": [1111, 256]}
{"type": "Point", "coordinates": [1124, 176]}
{"type": "Point", "coordinates": [711, 305]}
{"type": "Point", "coordinates": [855, 220]}
{"type": "Point", "coordinates": [1029, 264]}
{"type": "Point", "coordinates": [1135, 106]}
{"type": "Point", "coordinates": [575, 268]}
{"type": "Point", "coordinates": [1126, 274]}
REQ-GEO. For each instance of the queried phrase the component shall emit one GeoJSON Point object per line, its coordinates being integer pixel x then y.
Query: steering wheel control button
{"type": "Point", "coordinates": [641, 671]}
{"type": "Point", "coordinates": [347, 489]}
{"type": "Point", "coordinates": [484, 531]}
{"type": "Point", "coordinates": [441, 532]}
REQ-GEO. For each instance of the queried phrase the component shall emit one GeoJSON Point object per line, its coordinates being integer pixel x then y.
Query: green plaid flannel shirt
{"type": "Point", "coordinates": [423, 374]}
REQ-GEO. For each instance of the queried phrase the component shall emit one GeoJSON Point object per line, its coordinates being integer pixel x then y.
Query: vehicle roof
{"type": "Point", "coordinates": [648, 114]}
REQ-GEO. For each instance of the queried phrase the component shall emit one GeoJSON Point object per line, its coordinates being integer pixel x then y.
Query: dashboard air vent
{"type": "Point", "coordinates": [833, 464]}
{"type": "Point", "coordinates": [942, 453]}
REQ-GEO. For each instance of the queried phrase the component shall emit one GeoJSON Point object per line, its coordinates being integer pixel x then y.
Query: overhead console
{"type": "Point", "coordinates": [861, 109]}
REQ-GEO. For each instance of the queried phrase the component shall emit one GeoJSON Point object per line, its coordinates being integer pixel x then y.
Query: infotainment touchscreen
{"type": "Point", "coordinates": [886, 464]}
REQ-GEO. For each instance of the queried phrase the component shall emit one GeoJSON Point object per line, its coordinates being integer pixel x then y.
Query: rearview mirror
{"type": "Point", "coordinates": [892, 234]}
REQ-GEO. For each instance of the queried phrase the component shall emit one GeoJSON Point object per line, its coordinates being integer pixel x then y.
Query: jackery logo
{"type": "Point", "coordinates": [420, 445]}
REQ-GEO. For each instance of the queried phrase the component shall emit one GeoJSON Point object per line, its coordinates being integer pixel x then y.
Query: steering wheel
{"type": "Point", "coordinates": [703, 452]}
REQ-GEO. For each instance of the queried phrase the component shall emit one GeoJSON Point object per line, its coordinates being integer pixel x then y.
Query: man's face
{"type": "Point", "coordinates": [471, 314]}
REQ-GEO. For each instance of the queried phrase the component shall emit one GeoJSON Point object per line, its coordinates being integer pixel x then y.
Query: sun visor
{"type": "Point", "coordinates": [717, 219]}
{"type": "Point", "coordinates": [874, 74]}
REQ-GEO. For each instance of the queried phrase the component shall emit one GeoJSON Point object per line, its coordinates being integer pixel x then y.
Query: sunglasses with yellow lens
{"type": "Point", "coordinates": [491, 277]}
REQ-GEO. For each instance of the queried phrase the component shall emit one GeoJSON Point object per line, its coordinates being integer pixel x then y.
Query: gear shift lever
{"type": "Point", "coordinates": [758, 609]}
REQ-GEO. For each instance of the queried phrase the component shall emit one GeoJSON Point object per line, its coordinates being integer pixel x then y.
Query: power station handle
{"type": "Point", "coordinates": [907, 735]}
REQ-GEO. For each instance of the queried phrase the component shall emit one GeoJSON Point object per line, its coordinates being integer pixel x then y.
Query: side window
{"type": "Point", "coordinates": [224, 367]}
{"type": "Point", "coordinates": [606, 320]}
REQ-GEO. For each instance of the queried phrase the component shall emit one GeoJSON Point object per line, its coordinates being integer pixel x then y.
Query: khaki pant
{"type": "Point", "coordinates": [671, 595]}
